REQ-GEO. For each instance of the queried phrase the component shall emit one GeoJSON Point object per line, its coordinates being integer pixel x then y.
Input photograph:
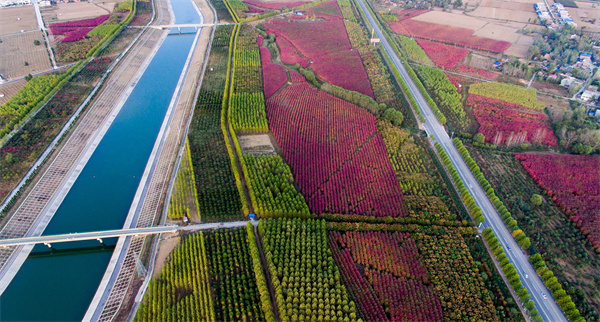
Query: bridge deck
{"type": "Point", "coordinates": [62, 238]}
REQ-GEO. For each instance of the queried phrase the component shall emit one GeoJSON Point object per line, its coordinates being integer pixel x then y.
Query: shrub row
{"type": "Point", "coordinates": [411, 99]}
{"type": "Point", "coordinates": [464, 193]}
{"type": "Point", "coordinates": [440, 116]}
{"type": "Point", "coordinates": [507, 217]}
{"type": "Point", "coordinates": [560, 295]}
{"type": "Point", "coordinates": [511, 273]}
{"type": "Point", "coordinates": [109, 37]}
{"type": "Point", "coordinates": [355, 98]}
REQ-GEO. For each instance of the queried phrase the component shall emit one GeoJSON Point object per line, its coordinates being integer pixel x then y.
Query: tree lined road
{"type": "Point", "coordinates": [544, 302]}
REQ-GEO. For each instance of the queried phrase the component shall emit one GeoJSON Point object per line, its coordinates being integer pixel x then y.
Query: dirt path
{"type": "Point", "coordinates": [168, 243]}
{"type": "Point", "coordinates": [263, 261]}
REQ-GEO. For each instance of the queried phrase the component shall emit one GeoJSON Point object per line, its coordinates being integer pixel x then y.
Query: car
{"type": "Point", "coordinates": [526, 276]}
{"type": "Point", "coordinates": [544, 295]}
{"type": "Point", "coordinates": [509, 248]}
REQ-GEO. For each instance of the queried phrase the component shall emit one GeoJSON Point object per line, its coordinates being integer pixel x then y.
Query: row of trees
{"type": "Point", "coordinates": [511, 273]}
{"type": "Point", "coordinates": [36, 91]}
{"type": "Point", "coordinates": [507, 217]}
{"type": "Point", "coordinates": [444, 93]}
{"type": "Point", "coordinates": [468, 200]}
{"type": "Point", "coordinates": [560, 296]}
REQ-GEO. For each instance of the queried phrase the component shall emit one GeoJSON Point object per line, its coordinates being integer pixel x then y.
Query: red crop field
{"type": "Point", "coordinates": [444, 56]}
{"type": "Point", "coordinates": [331, 54]}
{"type": "Point", "coordinates": [77, 29]}
{"type": "Point", "coordinates": [296, 78]}
{"type": "Point", "coordinates": [573, 182]}
{"type": "Point", "coordinates": [506, 123]}
{"type": "Point", "coordinates": [274, 75]}
{"type": "Point", "coordinates": [337, 156]}
{"type": "Point", "coordinates": [409, 13]}
{"type": "Point", "coordinates": [477, 72]}
{"type": "Point", "coordinates": [402, 276]}
{"type": "Point", "coordinates": [448, 34]}
{"type": "Point", "coordinates": [344, 68]}
{"type": "Point", "coordinates": [289, 54]}
{"type": "Point", "coordinates": [312, 38]}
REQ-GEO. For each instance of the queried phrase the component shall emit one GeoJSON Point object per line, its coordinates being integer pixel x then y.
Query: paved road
{"type": "Point", "coordinates": [547, 308]}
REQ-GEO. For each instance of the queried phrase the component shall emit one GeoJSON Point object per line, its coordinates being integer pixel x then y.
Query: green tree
{"type": "Point", "coordinates": [393, 116]}
{"type": "Point", "coordinates": [536, 200]}
{"type": "Point", "coordinates": [479, 138]}
{"type": "Point", "coordinates": [36, 42]}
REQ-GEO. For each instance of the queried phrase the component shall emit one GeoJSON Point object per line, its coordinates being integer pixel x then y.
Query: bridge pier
{"type": "Point", "coordinates": [49, 245]}
{"type": "Point", "coordinates": [100, 240]}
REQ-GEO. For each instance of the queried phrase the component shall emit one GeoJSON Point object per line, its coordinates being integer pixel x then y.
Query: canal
{"type": "Point", "coordinates": [59, 285]}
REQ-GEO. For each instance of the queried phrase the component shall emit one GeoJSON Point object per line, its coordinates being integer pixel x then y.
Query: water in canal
{"type": "Point", "coordinates": [60, 286]}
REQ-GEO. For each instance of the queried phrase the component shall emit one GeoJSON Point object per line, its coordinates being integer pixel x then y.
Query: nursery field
{"type": "Point", "coordinates": [218, 196]}
{"type": "Point", "coordinates": [566, 251]}
{"type": "Point", "coordinates": [444, 56]}
{"type": "Point", "coordinates": [337, 156]}
{"type": "Point", "coordinates": [210, 276]}
{"type": "Point", "coordinates": [508, 93]}
{"type": "Point", "coordinates": [184, 198]}
{"type": "Point", "coordinates": [247, 114]}
{"type": "Point", "coordinates": [573, 182]}
{"type": "Point", "coordinates": [306, 279]}
{"type": "Point", "coordinates": [424, 191]}
{"type": "Point", "coordinates": [76, 30]}
{"type": "Point", "coordinates": [417, 273]}
{"type": "Point", "coordinates": [510, 124]}
{"type": "Point", "coordinates": [448, 34]}
{"type": "Point", "coordinates": [445, 94]}
{"type": "Point", "coordinates": [274, 75]}
{"type": "Point", "coordinates": [330, 55]}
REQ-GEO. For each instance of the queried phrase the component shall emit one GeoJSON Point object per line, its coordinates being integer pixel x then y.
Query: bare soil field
{"type": "Point", "coordinates": [13, 20]}
{"type": "Point", "coordinates": [455, 19]}
{"type": "Point", "coordinates": [18, 49]}
{"type": "Point", "coordinates": [259, 144]}
{"type": "Point", "coordinates": [79, 10]}
{"type": "Point", "coordinates": [520, 47]}
{"type": "Point", "coordinates": [587, 11]}
{"type": "Point", "coordinates": [520, 10]}
{"type": "Point", "coordinates": [10, 89]}
{"type": "Point", "coordinates": [499, 32]}
{"type": "Point", "coordinates": [479, 61]}
{"type": "Point", "coordinates": [485, 26]}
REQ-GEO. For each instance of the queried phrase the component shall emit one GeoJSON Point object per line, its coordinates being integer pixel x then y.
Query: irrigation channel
{"type": "Point", "coordinates": [60, 285]}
